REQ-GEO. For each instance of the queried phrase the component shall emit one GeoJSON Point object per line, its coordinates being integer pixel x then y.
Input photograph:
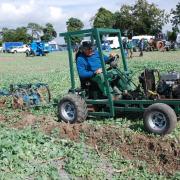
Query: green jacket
{"type": "Point", "coordinates": [129, 45]}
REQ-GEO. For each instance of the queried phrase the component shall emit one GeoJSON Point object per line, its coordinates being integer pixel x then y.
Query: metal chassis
{"type": "Point", "coordinates": [114, 106]}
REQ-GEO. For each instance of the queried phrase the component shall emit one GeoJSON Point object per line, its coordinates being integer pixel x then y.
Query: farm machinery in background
{"type": "Point", "coordinates": [38, 48]}
{"type": "Point", "coordinates": [160, 45]}
{"type": "Point", "coordinates": [25, 95]}
{"type": "Point", "coordinates": [152, 43]}
{"type": "Point", "coordinates": [156, 97]}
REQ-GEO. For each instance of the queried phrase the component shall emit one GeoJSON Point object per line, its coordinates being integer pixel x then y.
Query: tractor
{"type": "Point", "coordinates": [36, 49]}
{"type": "Point", "coordinates": [156, 98]}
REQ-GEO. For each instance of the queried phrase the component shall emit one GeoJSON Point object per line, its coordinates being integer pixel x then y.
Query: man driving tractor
{"type": "Point", "coordinates": [89, 68]}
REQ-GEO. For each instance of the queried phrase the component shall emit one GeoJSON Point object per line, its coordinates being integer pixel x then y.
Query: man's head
{"type": "Point", "coordinates": [87, 48]}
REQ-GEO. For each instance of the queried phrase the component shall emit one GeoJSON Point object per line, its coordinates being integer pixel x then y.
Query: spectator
{"type": "Point", "coordinates": [124, 42]}
{"type": "Point", "coordinates": [129, 48]}
{"type": "Point", "coordinates": [141, 46]}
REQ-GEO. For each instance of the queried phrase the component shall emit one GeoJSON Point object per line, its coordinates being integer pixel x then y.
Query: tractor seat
{"type": "Point", "coordinates": [89, 84]}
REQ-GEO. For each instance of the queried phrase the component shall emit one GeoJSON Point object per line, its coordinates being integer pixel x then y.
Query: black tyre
{"type": "Point", "coordinates": [27, 53]}
{"type": "Point", "coordinates": [159, 119]}
{"type": "Point", "coordinates": [72, 108]}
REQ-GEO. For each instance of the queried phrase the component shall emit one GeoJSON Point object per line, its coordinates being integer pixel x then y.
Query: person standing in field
{"type": "Point", "coordinates": [129, 48]}
{"type": "Point", "coordinates": [124, 42]}
{"type": "Point", "coordinates": [141, 46]}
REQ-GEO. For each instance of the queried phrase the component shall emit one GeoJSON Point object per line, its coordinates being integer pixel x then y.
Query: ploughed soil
{"type": "Point", "coordinates": [6, 59]}
{"type": "Point", "coordinates": [161, 154]}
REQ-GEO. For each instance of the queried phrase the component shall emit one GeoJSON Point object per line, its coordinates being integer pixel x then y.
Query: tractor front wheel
{"type": "Point", "coordinates": [72, 108]}
{"type": "Point", "coordinates": [159, 119]}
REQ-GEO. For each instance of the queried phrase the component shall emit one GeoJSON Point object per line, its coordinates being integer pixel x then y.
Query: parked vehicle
{"type": "Point", "coordinates": [135, 41]}
{"type": "Point", "coordinates": [8, 45]}
{"type": "Point", "coordinates": [1, 49]}
{"type": "Point", "coordinates": [20, 49]}
{"type": "Point", "coordinates": [62, 47]}
{"type": "Point", "coordinates": [47, 48]}
{"type": "Point", "coordinates": [113, 42]}
{"type": "Point", "coordinates": [53, 46]}
{"type": "Point", "coordinates": [178, 40]}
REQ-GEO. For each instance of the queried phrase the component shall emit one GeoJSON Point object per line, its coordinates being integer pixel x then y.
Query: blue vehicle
{"type": "Point", "coordinates": [37, 49]}
{"type": "Point", "coordinates": [106, 46]}
{"type": "Point", "coordinates": [47, 48]}
{"type": "Point", "coordinates": [8, 45]}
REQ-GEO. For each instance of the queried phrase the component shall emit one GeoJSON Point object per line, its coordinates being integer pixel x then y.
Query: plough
{"type": "Point", "coordinates": [26, 95]}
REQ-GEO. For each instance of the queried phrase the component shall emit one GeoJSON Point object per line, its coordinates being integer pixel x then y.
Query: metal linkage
{"type": "Point", "coordinates": [27, 95]}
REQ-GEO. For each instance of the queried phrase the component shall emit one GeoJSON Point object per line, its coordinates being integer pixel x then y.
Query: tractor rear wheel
{"type": "Point", "coordinates": [159, 119]}
{"type": "Point", "coordinates": [72, 108]}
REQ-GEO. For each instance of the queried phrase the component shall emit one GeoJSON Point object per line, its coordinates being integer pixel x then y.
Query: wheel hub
{"type": "Point", "coordinates": [68, 111]}
{"type": "Point", "coordinates": [157, 121]}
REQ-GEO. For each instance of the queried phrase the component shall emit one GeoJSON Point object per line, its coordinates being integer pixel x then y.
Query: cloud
{"type": "Point", "coordinates": [23, 13]}
{"type": "Point", "coordinates": [16, 13]}
{"type": "Point", "coordinates": [12, 9]}
{"type": "Point", "coordinates": [12, 13]}
{"type": "Point", "coordinates": [56, 14]}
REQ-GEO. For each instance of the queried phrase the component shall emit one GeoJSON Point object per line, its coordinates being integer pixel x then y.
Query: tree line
{"type": "Point", "coordinates": [140, 18]}
{"type": "Point", "coordinates": [32, 31]}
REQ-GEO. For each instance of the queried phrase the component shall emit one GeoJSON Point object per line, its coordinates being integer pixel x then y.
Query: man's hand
{"type": "Point", "coordinates": [111, 55]}
{"type": "Point", "coordinates": [98, 71]}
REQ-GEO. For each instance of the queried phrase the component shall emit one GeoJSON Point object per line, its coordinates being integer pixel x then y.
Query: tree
{"type": "Point", "coordinates": [143, 18]}
{"type": "Point", "coordinates": [176, 17]}
{"type": "Point", "coordinates": [8, 35]}
{"type": "Point", "coordinates": [103, 19]}
{"type": "Point", "coordinates": [14, 35]}
{"type": "Point", "coordinates": [22, 35]}
{"type": "Point", "coordinates": [49, 33]}
{"type": "Point", "coordinates": [35, 29]}
{"type": "Point", "coordinates": [1, 37]}
{"type": "Point", "coordinates": [124, 20]}
{"type": "Point", "coordinates": [171, 35]}
{"type": "Point", "coordinates": [74, 24]}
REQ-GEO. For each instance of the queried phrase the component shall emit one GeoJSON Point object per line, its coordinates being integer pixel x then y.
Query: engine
{"type": "Point", "coordinates": [169, 85]}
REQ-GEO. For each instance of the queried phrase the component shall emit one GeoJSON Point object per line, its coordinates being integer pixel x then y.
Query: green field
{"type": "Point", "coordinates": [29, 150]}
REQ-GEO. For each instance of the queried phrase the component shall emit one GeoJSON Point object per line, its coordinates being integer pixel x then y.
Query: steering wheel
{"type": "Point", "coordinates": [113, 62]}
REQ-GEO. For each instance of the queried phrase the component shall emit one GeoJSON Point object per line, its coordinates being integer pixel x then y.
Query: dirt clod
{"type": "Point", "coordinates": [2, 118]}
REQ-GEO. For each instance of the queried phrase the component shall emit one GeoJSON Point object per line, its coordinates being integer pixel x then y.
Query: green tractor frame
{"type": "Point", "coordinates": [160, 110]}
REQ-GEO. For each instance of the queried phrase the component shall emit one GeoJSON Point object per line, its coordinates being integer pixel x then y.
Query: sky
{"type": "Point", "coordinates": [16, 13]}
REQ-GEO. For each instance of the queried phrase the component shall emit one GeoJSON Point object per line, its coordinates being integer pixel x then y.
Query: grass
{"type": "Point", "coordinates": [22, 153]}
{"type": "Point", "coordinates": [29, 154]}
{"type": "Point", "coordinates": [53, 69]}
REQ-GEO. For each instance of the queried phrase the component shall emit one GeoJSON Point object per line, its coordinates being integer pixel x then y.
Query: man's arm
{"type": "Point", "coordinates": [82, 70]}
{"type": "Point", "coordinates": [109, 58]}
